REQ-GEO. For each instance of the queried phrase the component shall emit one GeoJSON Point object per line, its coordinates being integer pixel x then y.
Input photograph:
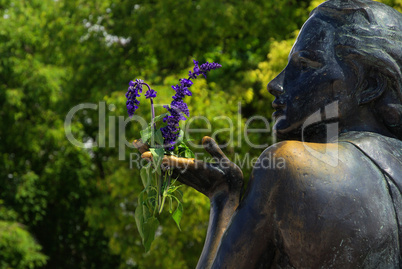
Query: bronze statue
{"type": "Point", "coordinates": [342, 209]}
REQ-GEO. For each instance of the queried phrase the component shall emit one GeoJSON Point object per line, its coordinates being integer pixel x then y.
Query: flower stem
{"type": "Point", "coordinates": [162, 204]}
{"type": "Point", "coordinates": [165, 191]}
{"type": "Point", "coordinates": [157, 195]}
{"type": "Point", "coordinates": [152, 113]}
{"type": "Point", "coordinates": [160, 184]}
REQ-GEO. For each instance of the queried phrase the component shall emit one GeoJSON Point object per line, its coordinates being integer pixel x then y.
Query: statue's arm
{"type": "Point", "coordinates": [248, 240]}
{"type": "Point", "coordinates": [241, 235]}
{"type": "Point", "coordinates": [223, 206]}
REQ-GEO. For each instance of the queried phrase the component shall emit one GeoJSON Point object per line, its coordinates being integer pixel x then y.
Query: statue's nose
{"type": "Point", "coordinates": [275, 87]}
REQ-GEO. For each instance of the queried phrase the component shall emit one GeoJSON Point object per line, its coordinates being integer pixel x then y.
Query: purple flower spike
{"type": "Point", "coordinates": [151, 93]}
{"type": "Point", "coordinates": [186, 82]}
{"type": "Point", "coordinates": [178, 107]}
{"type": "Point", "coordinates": [135, 87]}
{"type": "Point", "coordinates": [203, 69]}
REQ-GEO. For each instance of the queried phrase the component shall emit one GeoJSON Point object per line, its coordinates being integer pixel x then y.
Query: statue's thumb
{"type": "Point", "coordinates": [140, 146]}
{"type": "Point", "coordinates": [212, 148]}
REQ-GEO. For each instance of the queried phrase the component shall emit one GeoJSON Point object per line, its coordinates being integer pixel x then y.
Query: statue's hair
{"type": "Point", "coordinates": [369, 38]}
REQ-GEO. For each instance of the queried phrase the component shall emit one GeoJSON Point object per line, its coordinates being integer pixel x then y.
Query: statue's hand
{"type": "Point", "coordinates": [210, 178]}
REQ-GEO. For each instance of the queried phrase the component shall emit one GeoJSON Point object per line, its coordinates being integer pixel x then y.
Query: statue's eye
{"type": "Point", "coordinates": [306, 64]}
{"type": "Point", "coordinates": [305, 61]}
{"type": "Point", "coordinates": [303, 64]}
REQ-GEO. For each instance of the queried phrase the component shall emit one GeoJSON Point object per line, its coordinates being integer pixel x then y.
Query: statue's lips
{"type": "Point", "coordinates": [278, 113]}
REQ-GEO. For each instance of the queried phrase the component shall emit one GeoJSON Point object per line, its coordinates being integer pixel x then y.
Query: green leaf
{"type": "Point", "coordinates": [144, 176]}
{"type": "Point", "coordinates": [148, 168]}
{"type": "Point", "coordinates": [152, 198]}
{"type": "Point", "coordinates": [185, 151]}
{"type": "Point", "coordinates": [158, 137]}
{"type": "Point", "coordinates": [180, 194]}
{"type": "Point", "coordinates": [146, 224]}
{"type": "Point", "coordinates": [150, 227]}
{"type": "Point", "coordinates": [139, 216]}
{"type": "Point", "coordinates": [145, 211]}
{"type": "Point", "coordinates": [146, 134]}
{"type": "Point", "coordinates": [157, 157]}
{"type": "Point", "coordinates": [177, 214]}
{"type": "Point", "coordinates": [188, 153]}
{"type": "Point", "coordinates": [159, 118]}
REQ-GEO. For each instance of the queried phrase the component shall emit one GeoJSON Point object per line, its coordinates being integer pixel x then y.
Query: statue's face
{"type": "Point", "coordinates": [313, 79]}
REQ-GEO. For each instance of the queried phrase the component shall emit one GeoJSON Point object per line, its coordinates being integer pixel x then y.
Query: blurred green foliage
{"type": "Point", "coordinates": [63, 206]}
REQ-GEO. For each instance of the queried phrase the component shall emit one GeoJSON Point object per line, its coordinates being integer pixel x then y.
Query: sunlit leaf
{"type": "Point", "coordinates": [177, 214]}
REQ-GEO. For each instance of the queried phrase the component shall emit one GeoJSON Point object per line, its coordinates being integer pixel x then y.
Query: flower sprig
{"type": "Point", "coordinates": [163, 136]}
{"type": "Point", "coordinates": [178, 107]}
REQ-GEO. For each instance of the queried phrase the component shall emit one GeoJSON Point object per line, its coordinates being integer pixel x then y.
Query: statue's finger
{"type": "Point", "coordinates": [173, 161]}
{"type": "Point", "coordinates": [212, 148]}
{"type": "Point", "coordinates": [140, 146]}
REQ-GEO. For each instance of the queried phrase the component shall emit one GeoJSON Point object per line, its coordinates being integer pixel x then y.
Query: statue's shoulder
{"type": "Point", "coordinates": [383, 151]}
{"type": "Point", "coordinates": [314, 166]}
{"type": "Point", "coordinates": [307, 156]}
{"type": "Point", "coordinates": [374, 144]}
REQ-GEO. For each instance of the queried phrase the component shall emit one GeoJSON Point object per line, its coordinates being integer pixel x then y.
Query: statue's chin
{"type": "Point", "coordinates": [287, 134]}
{"type": "Point", "coordinates": [313, 133]}
{"type": "Point", "coordinates": [285, 130]}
